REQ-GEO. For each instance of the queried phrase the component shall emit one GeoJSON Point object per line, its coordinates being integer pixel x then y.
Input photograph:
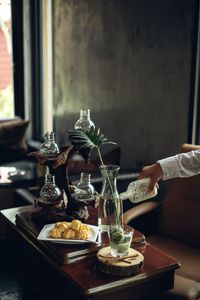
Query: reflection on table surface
{"type": "Point", "coordinates": [15, 172]}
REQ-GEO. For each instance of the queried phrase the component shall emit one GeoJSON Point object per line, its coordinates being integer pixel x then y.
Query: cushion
{"type": "Point", "coordinates": [181, 210]}
{"type": "Point", "coordinates": [184, 289]}
{"type": "Point", "coordinates": [13, 135]}
{"type": "Point", "coordinates": [188, 256]}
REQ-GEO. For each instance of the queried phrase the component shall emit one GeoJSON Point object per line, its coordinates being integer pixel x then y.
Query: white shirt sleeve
{"type": "Point", "coordinates": [181, 165]}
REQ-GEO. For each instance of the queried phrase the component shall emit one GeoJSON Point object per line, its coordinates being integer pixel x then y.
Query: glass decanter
{"type": "Point", "coordinates": [49, 147]}
{"type": "Point", "coordinates": [85, 190]}
{"type": "Point", "coordinates": [110, 208]}
{"type": "Point", "coordinates": [50, 192]}
{"type": "Point", "coordinates": [84, 122]}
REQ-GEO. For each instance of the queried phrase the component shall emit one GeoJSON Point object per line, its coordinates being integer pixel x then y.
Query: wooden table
{"type": "Point", "coordinates": [69, 272]}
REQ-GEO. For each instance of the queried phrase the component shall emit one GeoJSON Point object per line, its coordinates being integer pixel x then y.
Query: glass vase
{"type": "Point", "coordinates": [110, 208]}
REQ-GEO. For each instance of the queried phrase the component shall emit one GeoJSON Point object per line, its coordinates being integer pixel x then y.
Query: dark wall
{"type": "Point", "coordinates": [130, 63]}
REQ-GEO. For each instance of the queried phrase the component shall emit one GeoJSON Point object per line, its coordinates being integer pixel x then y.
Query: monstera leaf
{"type": "Point", "coordinates": [85, 141]}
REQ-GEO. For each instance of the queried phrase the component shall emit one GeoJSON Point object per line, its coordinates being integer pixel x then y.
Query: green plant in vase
{"type": "Point", "coordinates": [85, 142]}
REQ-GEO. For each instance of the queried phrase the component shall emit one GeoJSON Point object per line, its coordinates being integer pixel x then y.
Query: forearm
{"type": "Point", "coordinates": [181, 165]}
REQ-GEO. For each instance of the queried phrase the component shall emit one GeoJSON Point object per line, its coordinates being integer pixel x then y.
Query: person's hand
{"type": "Point", "coordinates": [154, 172]}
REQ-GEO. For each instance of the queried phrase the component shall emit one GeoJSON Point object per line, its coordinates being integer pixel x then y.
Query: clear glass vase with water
{"type": "Point", "coordinates": [110, 205]}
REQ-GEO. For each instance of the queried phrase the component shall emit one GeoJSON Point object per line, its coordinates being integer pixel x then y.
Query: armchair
{"type": "Point", "coordinates": [177, 230]}
{"type": "Point", "coordinates": [13, 143]}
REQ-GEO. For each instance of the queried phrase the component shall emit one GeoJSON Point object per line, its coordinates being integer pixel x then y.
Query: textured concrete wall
{"type": "Point", "coordinates": [129, 62]}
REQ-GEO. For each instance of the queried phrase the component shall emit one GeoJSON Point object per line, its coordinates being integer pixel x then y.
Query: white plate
{"type": "Point", "coordinates": [44, 235]}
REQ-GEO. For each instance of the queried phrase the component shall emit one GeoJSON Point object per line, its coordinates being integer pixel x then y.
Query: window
{"type": "Point", "coordinates": [195, 83]}
{"type": "Point", "coordinates": [37, 54]}
{"type": "Point", "coordinates": [6, 61]}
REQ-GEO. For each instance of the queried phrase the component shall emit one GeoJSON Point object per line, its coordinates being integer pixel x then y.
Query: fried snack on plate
{"type": "Point", "coordinates": [62, 225]}
{"type": "Point", "coordinates": [69, 234]}
{"type": "Point", "coordinates": [76, 225]}
{"type": "Point", "coordinates": [70, 230]}
{"type": "Point", "coordinates": [82, 235]}
{"type": "Point", "coordinates": [55, 233]}
{"type": "Point", "coordinates": [85, 228]}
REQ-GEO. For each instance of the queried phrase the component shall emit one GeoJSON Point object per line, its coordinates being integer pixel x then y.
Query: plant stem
{"type": "Point", "coordinates": [100, 157]}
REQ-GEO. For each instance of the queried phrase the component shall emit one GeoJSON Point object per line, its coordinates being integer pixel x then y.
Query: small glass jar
{"type": "Point", "coordinates": [85, 190]}
{"type": "Point", "coordinates": [120, 241]}
{"type": "Point", "coordinates": [84, 122]}
{"type": "Point", "coordinates": [50, 192]}
{"type": "Point", "coordinates": [49, 147]}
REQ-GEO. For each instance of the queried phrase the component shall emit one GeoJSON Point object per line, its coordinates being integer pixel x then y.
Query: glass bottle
{"type": "Point", "coordinates": [85, 190]}
{"type": "Point", "coordinates": [110, 208]}
{"type": "Point", "coordinates": [137, 191]}
{"type": "Point", "coordinates": [50, 192]}
{"type": "Point", "coordinates": [84, 122]}
{"type": "Point", "coordinates": [49, 147]}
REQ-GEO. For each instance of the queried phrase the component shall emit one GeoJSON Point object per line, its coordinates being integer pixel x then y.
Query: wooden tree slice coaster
{"type": "Point", "coordinates": [121, 266]}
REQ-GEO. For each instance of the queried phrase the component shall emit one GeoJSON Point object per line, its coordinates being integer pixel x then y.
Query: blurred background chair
{"type": "Point", "coordinates": [17, 170]}
{"type": "Point", "coordinates": [174, 227]}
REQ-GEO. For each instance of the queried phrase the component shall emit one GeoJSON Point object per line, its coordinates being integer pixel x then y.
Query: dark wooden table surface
{"type": "Point", "coordinates": [69, 272]}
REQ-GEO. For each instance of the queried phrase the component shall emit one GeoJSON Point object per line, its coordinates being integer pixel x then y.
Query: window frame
{"type": "Point", "coordinates": [194, 117]}
{"type": "Point", "coordinates": [32, 82]}
{"type": "Point", "coordinates": [18, 56]}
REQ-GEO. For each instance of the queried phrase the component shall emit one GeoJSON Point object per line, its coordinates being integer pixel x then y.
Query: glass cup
{"type": "Point", "coordinates": [120, 241]}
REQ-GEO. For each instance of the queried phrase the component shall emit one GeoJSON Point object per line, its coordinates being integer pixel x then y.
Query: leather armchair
{"type": "Point", "coordinates": [177, 230]}
{"type": "Point", "coordinates": [14, 145]}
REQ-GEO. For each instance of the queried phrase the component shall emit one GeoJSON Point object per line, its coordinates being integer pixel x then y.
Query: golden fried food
{"type": "Point", "coordinates": [82, 235]}
{"type": "Point", "coordinates": [55, 233]}
{"type": "Point", "coordinates": [70, 230]}
{"type": "Point", "coordinates": [85, 228]}
{"type": "Point", "coordinates": [69, 234]}
{"type": "Point", "coordinates": [62, 225]}
{"type": "Point", "coordinates": [75, 225]}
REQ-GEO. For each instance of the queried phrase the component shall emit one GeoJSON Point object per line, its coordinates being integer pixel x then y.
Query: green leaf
{"type": "Point", "coordinates": [85, 141]}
